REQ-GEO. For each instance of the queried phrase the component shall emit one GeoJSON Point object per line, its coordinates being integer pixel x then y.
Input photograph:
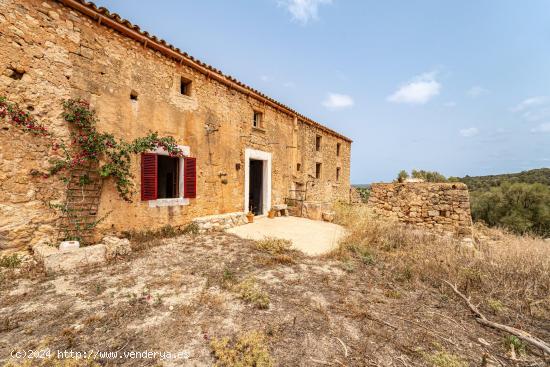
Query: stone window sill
{"type": "Point", "coordinates": [168, 202]}
{"type": "Point", "coordinates": [258, 129]}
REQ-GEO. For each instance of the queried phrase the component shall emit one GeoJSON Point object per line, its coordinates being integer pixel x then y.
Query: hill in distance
{"type": "Point", "coordinates": [477, 183]}
{"type": "Point", "coordinates": [481, 183]}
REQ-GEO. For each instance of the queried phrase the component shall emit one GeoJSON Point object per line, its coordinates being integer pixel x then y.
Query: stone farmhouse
{"type": "Point", "coordinates": [244, 150]}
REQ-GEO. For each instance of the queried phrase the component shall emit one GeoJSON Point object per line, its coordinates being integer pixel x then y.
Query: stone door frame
{"type": "Point", "coordinates": [266, 179]}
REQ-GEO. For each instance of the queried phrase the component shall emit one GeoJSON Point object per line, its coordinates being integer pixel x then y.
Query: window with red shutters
{"type": "Point", "coordinates": [148, 176]}
{"type": "Point", "coordinates": [189, 177]}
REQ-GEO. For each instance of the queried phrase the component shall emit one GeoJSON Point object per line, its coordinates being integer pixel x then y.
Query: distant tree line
{"type": "Point", "coordinates": [428, 176]}
{"type": "Point", "coordinates": [483, 183]}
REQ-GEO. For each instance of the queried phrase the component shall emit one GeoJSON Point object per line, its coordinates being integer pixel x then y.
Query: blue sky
{"type": "Point", "coordinates": [460, 87]}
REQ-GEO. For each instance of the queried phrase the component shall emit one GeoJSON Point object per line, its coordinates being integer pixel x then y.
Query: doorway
{"type": "Point", "coordinates": [257, 181]}
{"type": "Point", "coordinates": [255, 194]}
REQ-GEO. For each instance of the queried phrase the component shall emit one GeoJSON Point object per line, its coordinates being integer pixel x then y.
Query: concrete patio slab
{"type": "Point", "coordinates": [312, 237]}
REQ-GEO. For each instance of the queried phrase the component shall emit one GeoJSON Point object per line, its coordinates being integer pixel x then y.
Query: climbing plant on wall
{"type": "Point", "coordinates": [87, 146]}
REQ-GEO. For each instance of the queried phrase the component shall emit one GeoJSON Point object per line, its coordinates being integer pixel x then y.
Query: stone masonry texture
{"type": "Point", "coordinates": [443, 207]}
{"type": "Point", "coordinates": [50, 52]}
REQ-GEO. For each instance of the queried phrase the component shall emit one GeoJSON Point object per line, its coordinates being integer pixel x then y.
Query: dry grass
{"type": "Point", "coordinates": [54, 362]}
{"type": "Point", "coordinates": [504, 272]}
{"type": "Point", "coordinates": [444, 359]}
{"type": "Point", "coordinates": [375, 308]}
{"type": "Point", "coordinates": [248, 350]}
{"type": "Point", "coordinates": [141, 240]}
{"type": "Point", "coordinates": [251, 292]}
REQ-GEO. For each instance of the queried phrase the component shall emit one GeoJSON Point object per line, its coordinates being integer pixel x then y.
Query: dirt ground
{"type": "Point", "coordinates": [177, 296]}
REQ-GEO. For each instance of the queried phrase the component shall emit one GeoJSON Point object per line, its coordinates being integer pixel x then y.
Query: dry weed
{"type": "Point", "coordinates": [55, 362]}
{"type": "Point", "coordinates": [249, 291]}
{"type": "Point", "coordinates": [248, 350]}
{"type": "Point", "coordinates": [274, 246]}
{"type": "Point", "coordinates": [512, 269]}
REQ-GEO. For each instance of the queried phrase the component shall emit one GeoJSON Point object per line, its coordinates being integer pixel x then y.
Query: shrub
{"type": "Point", "coordinates": [274, 245]}
{"type": "Point", "coordinates": [402, 176]}
{"type": "Point", "coordinates": [10, 261]}
{"type": "Point", "coordinates": [248, 350]}
{"type": "Point", "coordinates": [250, 292]}
{"type": "Point", "coordinates": [512, 341]}
{"type": "Point", "coordinates": [519, 207]}
{"type": "Point", "coordinates": [444, 359]}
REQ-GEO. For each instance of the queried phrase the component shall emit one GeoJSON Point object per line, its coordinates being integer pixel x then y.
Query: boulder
{"type": "Point", "coordinates": [56, 261]}
{"type": "Point", "coordinates": [116, 247]}
{"type": "Point", "coordinates": [328, 216]}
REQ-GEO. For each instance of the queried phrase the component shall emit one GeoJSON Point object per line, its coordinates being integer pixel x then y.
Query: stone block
{"type": "Point", "coordinates": [68, 245]}
{"type": "Point", "coordinates": [56, 261]}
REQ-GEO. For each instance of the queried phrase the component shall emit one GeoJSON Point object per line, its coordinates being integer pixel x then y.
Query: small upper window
{"type": "Point", "coordinates": [317, 170]}
{"type": "Point", "coordinates": [298, 167]}
{"type": "Point", "coordinates": [338, 149]}
{"type": "Point", "coordinates": [185, 86]}
{"type": "Point", "coordinates": [258, 119]}
{"type": "Point", "coordinates": [318, 143]}
{"type": "Point", "coordinates": [337, 173]}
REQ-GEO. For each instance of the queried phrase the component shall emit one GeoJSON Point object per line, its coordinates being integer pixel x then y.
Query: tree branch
{"type": "Point", "coordinates": [525, 336]}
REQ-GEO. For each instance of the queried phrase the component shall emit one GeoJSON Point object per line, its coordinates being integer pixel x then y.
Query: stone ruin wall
{"type": "Point", "coordinates": [443, 207]}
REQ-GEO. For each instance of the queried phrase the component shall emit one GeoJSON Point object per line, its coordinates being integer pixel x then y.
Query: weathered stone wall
{"type": "Point", "coordinates": [49, 53]}
{"type": "Point", "coordinates": [220, 221]}
{"type": "Point", "coordinates": [444, 207]}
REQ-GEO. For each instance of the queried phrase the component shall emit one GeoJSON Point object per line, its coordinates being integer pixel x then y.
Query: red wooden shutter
{"type": "Point", "coordinates": [148, 176]}
{"type": "Point", "coordinates": [190, 177]}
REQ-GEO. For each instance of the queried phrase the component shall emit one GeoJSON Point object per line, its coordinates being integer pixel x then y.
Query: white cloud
{"type": "Point", "coordinates": [471, 131]}
{"type": "Point", "coordinates": [535, 109]}
{"type": "Point", "coordinates": [418, 91]}
{"type": "Point", "coordinates": [265, 78]}
{"type": "Point", "coordinates": [289, 84]}
{"type": "Point", "coordinates": [303, 11]}
{"type": "Point", "coordinates": [337, 101]}
{"type": "Point", "coordinates": [531, 103]}
{"type": "Point", "coordinates": [450, 104]}
{"type": "Point", "coordinates": [476, 91]}
{"type": "Point", "coordinates": [542, 128]}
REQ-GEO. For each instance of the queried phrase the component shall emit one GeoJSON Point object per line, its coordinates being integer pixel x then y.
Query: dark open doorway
{"type": "Point", "coordinates": [168, 177]}
{"type": "Point", "coordinates": [255, 193]}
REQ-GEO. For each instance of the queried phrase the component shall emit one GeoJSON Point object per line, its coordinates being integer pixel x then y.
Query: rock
{"type": "Point", "coordinates": [329, 216]}
{"type": "Point", "coordinates": [68, 245]}
{"type": "Point", "coordinates": [116, 247]}
{"type": "Point", "coordinates": [56, 261]}
{"type": "Point", "coordinates": [52, 14]}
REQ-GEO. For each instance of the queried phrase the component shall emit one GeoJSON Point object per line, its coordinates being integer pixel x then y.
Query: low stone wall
{"type": "Point", "coordinates": [220, 221]}
{"type": "Point", "coordinates": [444, 207]}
